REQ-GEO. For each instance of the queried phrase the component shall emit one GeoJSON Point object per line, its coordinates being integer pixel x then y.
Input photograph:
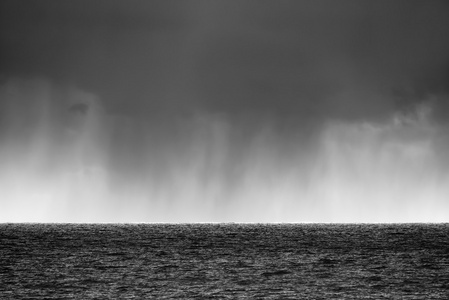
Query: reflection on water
{"type": "Point", "coordinates": [53, 261]}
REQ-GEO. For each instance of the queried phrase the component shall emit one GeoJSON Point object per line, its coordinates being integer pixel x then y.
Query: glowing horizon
{"type": "Point", "coordinates": [64, 166]}
{"type": "Point", "coordinates": [215, 111]}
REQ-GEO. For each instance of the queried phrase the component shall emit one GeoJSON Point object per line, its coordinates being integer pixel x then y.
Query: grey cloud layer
{"type": "Point", "coordinates": [224, 110]}
{"type": "Point", "coordinates": [307, 59]}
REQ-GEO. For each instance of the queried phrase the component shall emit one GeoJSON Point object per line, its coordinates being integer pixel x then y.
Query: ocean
{"type": "Point", "coordinates": [224, 261]}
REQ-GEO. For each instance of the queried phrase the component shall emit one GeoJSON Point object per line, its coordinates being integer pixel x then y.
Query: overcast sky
{"type": "Point", "coordinates": [268, 111]}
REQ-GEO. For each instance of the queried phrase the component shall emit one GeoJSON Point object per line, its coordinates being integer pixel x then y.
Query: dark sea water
{"type": "Point", "coordinates": [224, 261]}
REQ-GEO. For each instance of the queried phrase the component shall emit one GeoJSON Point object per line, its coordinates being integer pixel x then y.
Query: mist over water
{"type": "Point", "coordinates": [150, 111]}
{"type": "Point", "coordinates": [63, 163]}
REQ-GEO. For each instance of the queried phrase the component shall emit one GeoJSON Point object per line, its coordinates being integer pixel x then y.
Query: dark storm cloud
{"type": "Point", "coordinates": [298, 59]}
{"type": "Point", "coordinates": [126, 52]}
{"type": "Point", "coordinates": [324, 58]}
{"type": "Point", "coordinates": [55, 35]}
{"type": "Point", "coordinates": [224, 110]}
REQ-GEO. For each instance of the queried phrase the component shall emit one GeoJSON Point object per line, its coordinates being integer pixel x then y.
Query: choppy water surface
{"type": "Point", "coordinates": [216, 261]}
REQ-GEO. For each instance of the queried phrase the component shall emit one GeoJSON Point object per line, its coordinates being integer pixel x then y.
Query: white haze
{"type": "Point", "coordinates": [62, 166]}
